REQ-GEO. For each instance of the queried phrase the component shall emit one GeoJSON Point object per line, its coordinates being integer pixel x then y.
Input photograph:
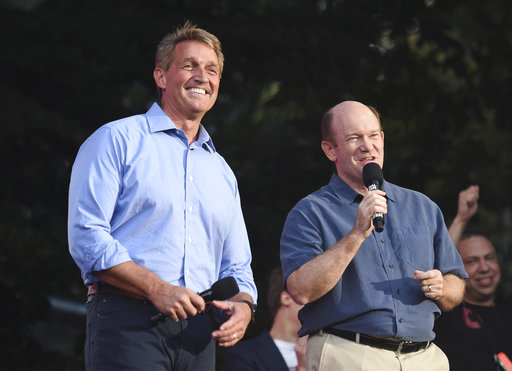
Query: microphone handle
{"type": "Point", "coordinates": [377, 218]}
{"type": "Point", "coordinates": [206, 295]}
{"type": "Point", "coordinates": [378, 222]}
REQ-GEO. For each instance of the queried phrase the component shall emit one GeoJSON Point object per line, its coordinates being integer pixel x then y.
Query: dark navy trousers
{"type": "Point", "coordinates": [121, 336]}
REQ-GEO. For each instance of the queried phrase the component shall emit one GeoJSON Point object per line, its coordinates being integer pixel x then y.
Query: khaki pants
{"type": "Point", "coordinates": [328, 352]}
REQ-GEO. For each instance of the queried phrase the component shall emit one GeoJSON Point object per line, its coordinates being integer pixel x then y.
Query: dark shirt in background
{"type": "Point", "coordinates": [471, 335]}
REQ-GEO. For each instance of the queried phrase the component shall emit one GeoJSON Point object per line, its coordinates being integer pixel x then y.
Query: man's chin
{"type": "Point", "coordinates": [483, 297]}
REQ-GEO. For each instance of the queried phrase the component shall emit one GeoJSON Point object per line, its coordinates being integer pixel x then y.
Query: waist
{"type": "Point", "coordinates": [105, 288]}
{"type": "Point", "coordinates": [395, 345]}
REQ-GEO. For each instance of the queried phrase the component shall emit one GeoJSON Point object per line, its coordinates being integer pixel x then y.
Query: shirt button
{"type": "Point", "coordinates": [187, 272]}
{"type": "Point", "coordinates": [398, 291]}
{"type": "Point", "coordinates": [191, 178]}
{"type": "Point", "coordinates": [382, 240]}
{"type": "Point", "coordinates": [391, 266]}
{"type": "Point", "coordinates": [190, 240]}
{"type": "Point", "coordinates": [190, 208]}
{"type": "Point", "coordinates": [400, 320]}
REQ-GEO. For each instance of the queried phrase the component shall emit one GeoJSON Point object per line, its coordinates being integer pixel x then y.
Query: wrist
{"type": "Point", "coordinates": [252, 307]}
{"type": "Point", "coordinates": [461, 220]}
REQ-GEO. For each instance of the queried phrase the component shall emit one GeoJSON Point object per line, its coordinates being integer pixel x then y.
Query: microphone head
{"type": "Point", "coordinates": [224, 288]}
{"type": "Point", "coordinates": [372, 173]}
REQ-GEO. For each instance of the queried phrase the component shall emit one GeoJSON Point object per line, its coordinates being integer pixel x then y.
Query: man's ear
{"type": "Point", "coordinates": [328, 149]}
{"type": "Point", "coordinates": [159, 76]}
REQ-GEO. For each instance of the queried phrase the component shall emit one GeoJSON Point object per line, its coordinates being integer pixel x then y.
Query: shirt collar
{"type": "Point", "coordinates": [205, 140]}
{"type": "Point", "coordinates": [348, 195]}
{"type": "Point", "coordinates": [159, 121]}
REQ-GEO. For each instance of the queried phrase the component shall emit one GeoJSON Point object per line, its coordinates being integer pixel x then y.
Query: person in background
{"type": "Point", "coordinates": [277, 349]}
{"type": "Point", "coordinates": [155, 218]}
{"type": "Point", "coordinates": [370, 298]}
{"type": "Point", "coordinates": [475, 332]}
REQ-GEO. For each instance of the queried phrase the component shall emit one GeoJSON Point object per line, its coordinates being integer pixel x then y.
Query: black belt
{"type": "Point", "coordinates": [105, 288]}
{"type": "Point", "coordinates": [395, 345]}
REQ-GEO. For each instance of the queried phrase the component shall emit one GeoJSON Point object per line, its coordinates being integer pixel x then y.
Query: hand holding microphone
{"type": "Point", "coordinates": [221, 290]}
{"type": "Point", "coordinates": [373, 178]}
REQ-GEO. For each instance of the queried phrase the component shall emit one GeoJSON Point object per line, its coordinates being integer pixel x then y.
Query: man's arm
{"type": "Point", "coordinates": [236, 258]}
{"type": "Point", "coordinates": [447, 291]}
{"type": "Point", "coordinates": [453, 292]}
{"type": "Point", "coordinates": [319, 275]}
{"type": "Point", "coordinates": [177, 302]}
{"type": "Point", "coordinates": [467, 207]}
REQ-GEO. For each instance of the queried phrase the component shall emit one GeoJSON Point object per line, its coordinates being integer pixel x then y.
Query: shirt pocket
{"type": "Point", "coordinates": [416, 247]}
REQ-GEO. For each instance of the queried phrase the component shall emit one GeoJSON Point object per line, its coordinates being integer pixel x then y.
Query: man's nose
{"type": "Point", "coordinates": [483, 266]}
{"type": "Point", "coordinates": [364, 143]}
{"type": "Point", "coordinates": [201, 75]}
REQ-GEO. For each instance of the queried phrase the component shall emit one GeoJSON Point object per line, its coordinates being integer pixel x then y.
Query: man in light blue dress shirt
{"type": "Point", "coordinates": [155, 218]}
{"type": "Point", "coordinates": [370, 298]}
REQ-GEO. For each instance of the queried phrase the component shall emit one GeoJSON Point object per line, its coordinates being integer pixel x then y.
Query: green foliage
{"type": "Point", "coordinates": [439, 72]}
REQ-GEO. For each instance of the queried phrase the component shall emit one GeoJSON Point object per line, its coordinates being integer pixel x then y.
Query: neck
{"type": "Point", "coordinates": [188, 123]}
{"type": "Point", "coordinates": [482, 303]}
{"type": "Point", "coordinates": [282, 329]}
{"type": "Point", "coordinates": [356, 186]}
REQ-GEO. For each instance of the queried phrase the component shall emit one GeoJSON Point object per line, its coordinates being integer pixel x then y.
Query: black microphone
{"type": "Point", "coordinates": [221, 290]}
{"type": "Point", "coordinates": [373, 178]}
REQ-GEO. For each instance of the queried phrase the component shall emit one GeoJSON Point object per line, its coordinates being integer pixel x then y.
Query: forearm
{"type": "Point", "coordinates": [456, 229]}
{"type": "Point", "coordinates": [132, 278]}
{"type": "Point", "coordinates": [453, 292]}
{"type": "Point", "coordinates": [315, 278]}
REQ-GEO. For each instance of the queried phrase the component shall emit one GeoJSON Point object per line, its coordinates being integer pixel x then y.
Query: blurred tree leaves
{"type": "Point", "coordinates": [439, 72]}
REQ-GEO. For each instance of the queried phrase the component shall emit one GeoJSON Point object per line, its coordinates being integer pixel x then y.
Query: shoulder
{"type": "Point", "coordinates": [402, 192]}
{"type": "Point", "coordinates": [409, 197]}
{"type": "Point", "coordinates": [121, 130]}
{"type": "Point", "coordinates": [258, 353]}
{"type": "Point", "coordinates": [253, 344]}
{"type": "Point", "coordinates": [505, 312]}
{"type": "Point", "coordinates": [315, 201]}
{"type": "Point", "coordinates": [127, 126]}
{"type": "Point", "coordinates": [115, 137]}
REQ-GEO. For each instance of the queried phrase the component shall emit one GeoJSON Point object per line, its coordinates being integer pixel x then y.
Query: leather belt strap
{"type": "Point", "coordinates": [105, 288]}
{"type": "Point", "coordinates": [397, 346]}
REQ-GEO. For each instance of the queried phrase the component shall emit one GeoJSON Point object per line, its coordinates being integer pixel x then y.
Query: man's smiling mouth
{"type": "Point", "coordinates": [198, 91]}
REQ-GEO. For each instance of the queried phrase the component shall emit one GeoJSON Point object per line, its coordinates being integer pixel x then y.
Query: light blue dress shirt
{"type": "Point", "coordinates": [140, 193]}
{"type": "Point", "coordinates": [376, 294]}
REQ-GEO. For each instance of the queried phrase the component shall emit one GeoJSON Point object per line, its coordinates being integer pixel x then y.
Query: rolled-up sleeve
{"type": "Point", "coordinates": [94, 188]}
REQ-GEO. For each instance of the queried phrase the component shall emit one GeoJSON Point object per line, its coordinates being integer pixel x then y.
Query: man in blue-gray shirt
{"type": "Point", "coordinates": [370, 298]}
{"type": "Point", "coordinates": [155, 219]}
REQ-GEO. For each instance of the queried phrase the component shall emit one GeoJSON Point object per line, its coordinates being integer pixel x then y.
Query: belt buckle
{"type": "Point", "coordinates": [92, 290]}
{"type": "Point", "coordinates": [400, 346]}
